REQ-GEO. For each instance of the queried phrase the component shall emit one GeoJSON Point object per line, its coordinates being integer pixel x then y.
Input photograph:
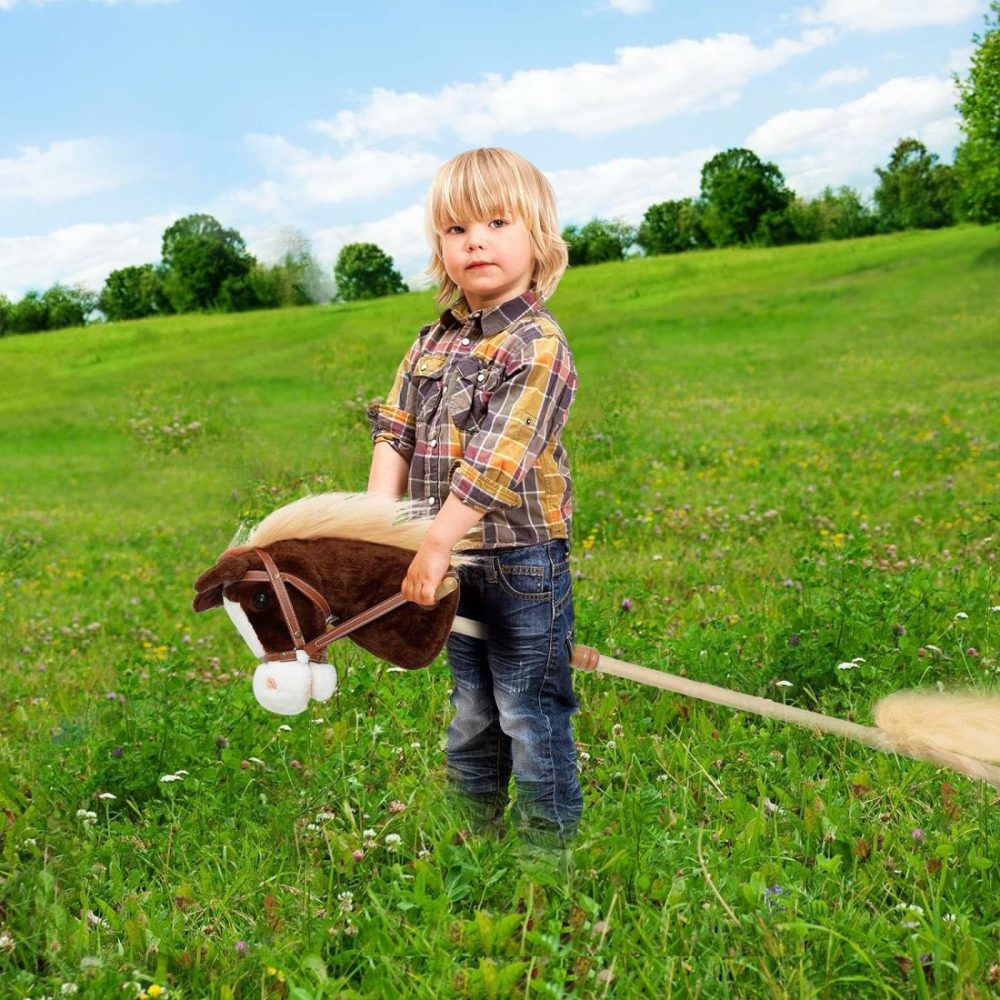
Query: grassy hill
{"type": "Point", "coordinates": [785, 459]}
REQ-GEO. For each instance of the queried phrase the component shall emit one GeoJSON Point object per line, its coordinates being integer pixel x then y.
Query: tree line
{"type": "Point", "coordinates": [743, 201]}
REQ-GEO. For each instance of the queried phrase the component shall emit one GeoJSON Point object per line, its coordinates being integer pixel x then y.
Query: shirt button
{"type": "Point", "coordinates": [423, 368]}
{"type": "Point", "coordinates": [431, 501]}
{"type": "Point", "coordinates": [480, 377]}
{"type": "Point", "coordinates": [433, 443]}
{"type": "Point", "coordinates": [465, 340]}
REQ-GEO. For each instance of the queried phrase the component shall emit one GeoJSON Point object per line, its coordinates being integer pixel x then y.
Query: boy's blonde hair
{"type": "Point", "coordinates": [482, 184]}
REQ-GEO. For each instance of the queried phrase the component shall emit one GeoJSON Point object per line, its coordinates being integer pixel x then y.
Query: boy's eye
{"type": "Point", "coordinates": [498, 223]}
{"type": "Point", "coordinates": [454, 230]}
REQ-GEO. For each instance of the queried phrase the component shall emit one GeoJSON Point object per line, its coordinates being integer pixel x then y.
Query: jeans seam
{"type": "Point", "coordinates": [545, 715]}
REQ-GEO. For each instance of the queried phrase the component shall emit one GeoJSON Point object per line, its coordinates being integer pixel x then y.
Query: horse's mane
{"type": "Point", "coordinates": [363, 517]}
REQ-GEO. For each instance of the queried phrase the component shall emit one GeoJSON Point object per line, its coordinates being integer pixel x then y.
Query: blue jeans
{"type": "Point", "coordinates": [513, 692]}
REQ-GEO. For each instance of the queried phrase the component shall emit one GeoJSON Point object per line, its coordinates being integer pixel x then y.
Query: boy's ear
{"type": "Point", "coordinates": [209, 586]}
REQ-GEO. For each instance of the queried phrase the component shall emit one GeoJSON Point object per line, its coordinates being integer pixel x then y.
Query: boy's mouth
{"type": "Point", "coordinates": [476, 264]}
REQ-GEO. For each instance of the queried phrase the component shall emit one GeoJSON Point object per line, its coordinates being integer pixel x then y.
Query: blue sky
{"type": "Point", "coordinates": [328, 118]}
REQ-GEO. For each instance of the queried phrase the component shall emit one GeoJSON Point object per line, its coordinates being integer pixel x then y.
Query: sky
{"type": "Point", "coordinates": [328, 117]}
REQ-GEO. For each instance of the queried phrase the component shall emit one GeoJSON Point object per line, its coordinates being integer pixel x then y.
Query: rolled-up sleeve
{"type": "Point", "coordinates": [527, 410]}
{"type": "Point", "coordinates": [394, 421]}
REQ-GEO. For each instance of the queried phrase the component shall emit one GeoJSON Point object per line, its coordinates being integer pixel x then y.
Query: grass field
{"type": "Point", "coordinates": [785, 461]}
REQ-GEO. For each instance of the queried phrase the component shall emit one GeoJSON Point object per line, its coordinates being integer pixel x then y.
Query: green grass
{"type": "Point", "coordinates": [785, 460]}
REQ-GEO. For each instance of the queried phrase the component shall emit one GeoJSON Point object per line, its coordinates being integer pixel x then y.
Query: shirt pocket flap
{"type": "Point", "coordinates": [485, 378]}
{"type": "Point", "coordinates": [430, 366]}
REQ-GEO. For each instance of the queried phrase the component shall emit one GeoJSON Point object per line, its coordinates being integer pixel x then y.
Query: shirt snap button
{"type": "Point", "coordinates": [431, 500]}
{"type": "Point", "coordinates": [480, 377]}
{"type": "Point", "coordinates": [465, 340]}
{"type": "Point", "coordinates": [433, 444]}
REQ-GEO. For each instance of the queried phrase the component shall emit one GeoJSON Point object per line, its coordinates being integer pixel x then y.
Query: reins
{"type": "Point", "coordinates": [303, 650]}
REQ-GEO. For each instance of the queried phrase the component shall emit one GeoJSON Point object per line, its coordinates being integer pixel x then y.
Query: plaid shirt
{"type": "Point", "coordinates": [477, 409]}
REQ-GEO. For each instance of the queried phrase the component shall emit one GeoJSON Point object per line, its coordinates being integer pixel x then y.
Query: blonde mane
{"type": "Point", "coordinates": [364, 517]}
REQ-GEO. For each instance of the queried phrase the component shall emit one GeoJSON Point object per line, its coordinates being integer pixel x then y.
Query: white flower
{"type": "Point", "coordinates": [368, 833]}
{"type": "Point", "coordinates": [415, 745]}
{"type": "Point", "coordinates": [6, 942]}
{"type": "Point", "coordinates": [107, 796]}
{"type": "Point", "coordinates": [94, 920]}
{"type": "Point", "coordinates": [284, 728]}
{"type": "Point", "coordinates": [393, 840]}
{"type": "Point", "coordinates": [949, 918]}
{"type": "Point", "coordinates": [783, 684]}
{"type": "Point", "coordinates": [846, 666]}
{"type": "Point", "coordinates": [318, 722]}
{"type": "Point", "coordinates": [68, 989]}
{"type": "Point", "coordinates": [961, 614]}
{"type": "Point", "coordinates": [376, 729]}
{"type": "Point", "coordinates": [657, 558]}
{"type": "Point", "coordinates": [255, 760]}
{"type": "Point", "coordinates": [172, 777]}
{"type": "Point", "coordinates": [346, 901]}
{"type": "Point", "coordinates": [933, 649]}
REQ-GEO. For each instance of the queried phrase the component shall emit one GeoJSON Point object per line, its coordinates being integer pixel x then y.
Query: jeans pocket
{"type": "Point", "coordinates": [526, 583]}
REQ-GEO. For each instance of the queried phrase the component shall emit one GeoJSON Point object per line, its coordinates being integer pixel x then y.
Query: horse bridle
{"type": "Point", "coordinates": [305, 651]}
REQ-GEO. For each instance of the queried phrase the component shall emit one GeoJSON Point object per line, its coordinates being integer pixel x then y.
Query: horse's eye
{"type": "Point", "coordinates": [261, 600]}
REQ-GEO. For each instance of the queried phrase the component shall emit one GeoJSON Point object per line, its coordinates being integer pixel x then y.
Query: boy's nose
{"type": "Point", "coordinates": [476, 238]}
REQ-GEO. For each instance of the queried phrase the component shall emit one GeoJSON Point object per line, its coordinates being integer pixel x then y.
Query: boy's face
{"type": "Point", "coordinates": [491, 260]}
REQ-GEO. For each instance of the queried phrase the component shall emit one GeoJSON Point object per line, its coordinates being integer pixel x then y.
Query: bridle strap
{"type": "Point", "coordinates": [271, 574]}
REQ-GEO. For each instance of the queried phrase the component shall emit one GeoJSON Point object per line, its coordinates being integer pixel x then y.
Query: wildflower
{"type": "Point", "coordinates": [601, 927]}
{"type": "Point", "coordinates": [107, 796]}
{"type": "Point", "coordinates": [626, 604]}
{"type": "Point", "coordinates": [583, 755]}
{"type": "Point", "coordinates": [961, 615]}
{"type": "Point", "coordinates": [918, 835]}
{"type": "Point", "coordinates": [415, 745]}
{"type": "Point", "coordinates": [794, 639]}
{"type": "Point", "coordinates": [783, 684]}
{"type": "Point", "coordinates": [86, 816]}
{"type": "Point", "coordinates": [396, 806]}
{"type": "Point", "coordinates": [846, 666]}
{"type": "Point", "coordinates": [358, 854]}
{"type": "Point", "coordinates": [392, 841]}
{"type": "Point", "coordinates": [376, 729]}
{"type": "Point", "coordinates": [155, 990]}
{"type": "Point", "coordinates": [346, 900]}
{"type": "Point", "coordinates": [171, 777]}
{"type": "Point", "coordinates": [89, 964]}
{"type": "Point", "coordinates": [7, 943]}
{"type": "Point", "coordinates": [221, 742]}
{"type": "Point", "coordinates": [949, 918]}
{"type": "Point", "coordinates": [368, 834]}
{"type": "Point", "coordinates": [899, 630]}
{"type": "Point", "coordinates": [284, 728]}
{"type": "Point", "coordinates": [68, 989]}
{"type": "Point", "coordinates": [972, 651]}
{"type": "Point", "coordinates": [241, 948]}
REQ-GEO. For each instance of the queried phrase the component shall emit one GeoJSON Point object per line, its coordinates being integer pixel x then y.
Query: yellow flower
{"type": "Point", "coordinates": [155, 990]}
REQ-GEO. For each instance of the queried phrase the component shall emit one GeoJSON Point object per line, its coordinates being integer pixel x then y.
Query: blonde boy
{"type": "Point", "coordinates": [472, 428]}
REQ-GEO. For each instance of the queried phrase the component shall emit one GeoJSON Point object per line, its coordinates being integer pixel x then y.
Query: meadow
{"type": "Point", "coordinates": [786, 466]}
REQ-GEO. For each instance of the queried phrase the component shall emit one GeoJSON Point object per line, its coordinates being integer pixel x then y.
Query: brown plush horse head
{"type": "Point", "coordinates": [339, 554]}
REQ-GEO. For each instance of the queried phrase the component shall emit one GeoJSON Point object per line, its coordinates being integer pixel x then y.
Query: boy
{"type": "Point", "coordinates": [473, 425]}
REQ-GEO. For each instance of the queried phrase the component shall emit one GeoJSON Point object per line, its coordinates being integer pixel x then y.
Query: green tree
{"type": "Point", "coordinates": [29, 315]}
{"type": "Point", "coordinates": [198, 256]}
{"type": "Point", "coordinates": [66, 306]}
{"type": "Point", "coordinates": [364, 271]}
{"type": "Point", "coordinates": [738, 190]}
{"type": "Point", "coordinates": [671, 227]}
{"type": "Point", "coordinates": [5, 310]}
{"type": "Point", "coordinates": [914, 191]}
{"type": "Point", "coordinates": [598, 241]}
{"type": "Point", "coordinates": [132, 293]}
{"type": "Point", "coordinates": [977, 159]}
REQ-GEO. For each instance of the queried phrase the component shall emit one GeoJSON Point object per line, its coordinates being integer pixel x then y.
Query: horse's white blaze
{"type": "Point", "coordinates": [239, 618]}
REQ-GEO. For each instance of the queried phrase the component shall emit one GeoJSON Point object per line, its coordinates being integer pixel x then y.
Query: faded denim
{"type": "Point", "coordinates": [513, 694]}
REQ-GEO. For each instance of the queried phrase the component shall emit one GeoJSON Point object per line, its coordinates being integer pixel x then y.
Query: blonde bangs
{"type": "Point", "coordinates": [485, 183]}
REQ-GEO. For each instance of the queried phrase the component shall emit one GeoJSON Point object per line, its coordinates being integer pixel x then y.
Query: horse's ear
{"type": "Point", "coordinates": [228, 569]}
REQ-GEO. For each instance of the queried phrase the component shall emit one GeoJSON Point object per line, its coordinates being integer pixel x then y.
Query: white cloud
{"type": "Point", "coordinates": [400, 235]}
{"type": "Point", "coordinates": [67, 169]}
{"type": "Point", "coordinates": [631, 6]}
{"type": "Point", "coordinates": [83, 254]}
{"type": "Point", "coordinates": [626, 187]}
{"type": "Point", "coordinates": [889, 15]}
{"type": "Point", "coordinates": [841, 145]}
{"type": "Point", "coordinates": [840, 77]}
{"type": "Point", "coordinates": [959, 60]}
{"type": "Point", "coordinates": [305, 178]}
{"type": "Point", "coordinates": [642, 85]}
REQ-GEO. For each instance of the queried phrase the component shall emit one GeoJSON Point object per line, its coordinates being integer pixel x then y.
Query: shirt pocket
{"type": "Point", "coordinates": [428, 381]}
{"type": "Point", "coordinates": [472, 384]}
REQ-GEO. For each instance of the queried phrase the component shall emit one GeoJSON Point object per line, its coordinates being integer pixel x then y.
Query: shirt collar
{"type": "Point", "coordinates": [496, 318]}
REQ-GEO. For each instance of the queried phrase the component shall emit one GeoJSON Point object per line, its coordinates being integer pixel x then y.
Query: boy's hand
{"type": "Point", "coordinates": [425, 574]}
